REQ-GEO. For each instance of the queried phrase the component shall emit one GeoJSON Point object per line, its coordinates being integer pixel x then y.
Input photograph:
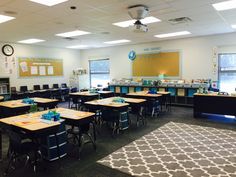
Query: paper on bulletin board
{"type": "Point", "coordinates": [23, 66]}
{"type": "Point", "coordinates": [45, 67]}
{"type": "Point", "coordinates": [34, 70]}
{"type": "Point", "coordinates": [42, 70]}
{"type": "Point", "coordinates": [50, 70]}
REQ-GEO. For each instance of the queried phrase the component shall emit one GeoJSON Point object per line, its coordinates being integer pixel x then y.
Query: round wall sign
{"type": "Point", "coordinates": [132, 55]}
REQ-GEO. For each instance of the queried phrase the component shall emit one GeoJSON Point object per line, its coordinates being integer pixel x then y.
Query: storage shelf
{"type": "Point", "coordinates": [183, 99]}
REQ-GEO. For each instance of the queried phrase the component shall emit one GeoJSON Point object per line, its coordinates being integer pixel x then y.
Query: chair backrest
{"type": "Point", "coordinates": [23, 88]}
{"type": "Point", "coordinates": [83, 90]}
{"type": "Point", "coordinates": [63, 85]}
{"type": "Point", "coordinates": [73, 90]}
{"type": "Point", "coordinates": [55, 86]}
{"type": "Point", "coordinates": [13, 89]}
{"type": "Point", "coordinates": [45, 86]}
{"type": "Point", "coordinates": [36, 87]}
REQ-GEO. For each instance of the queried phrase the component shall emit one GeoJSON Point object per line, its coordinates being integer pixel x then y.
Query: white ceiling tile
{"type": "Point", "coordinates": [97, 16]}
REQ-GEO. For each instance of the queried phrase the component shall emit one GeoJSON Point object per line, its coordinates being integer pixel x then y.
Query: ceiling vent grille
{"type": "Point", "coordinates": [179, 20]}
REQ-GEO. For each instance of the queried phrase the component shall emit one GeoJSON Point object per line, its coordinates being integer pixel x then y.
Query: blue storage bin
{"type": "Point", "coordinates": [153, 90]}
{"type": "Point", "coordinates": [138, 89]}
{"type": "Point", "coordinates": [124, 120]}
{"type": "Point", "coordinates": [191, 92]}
{"type": "Point", "coordinates": [172, 91]}
{"type": "Point", "coordinates": [124, 90]}
{"type": "Point", "coordinates": [49, 146]}
{"type": "Point", "coordinates": [51, 153]}
{"type": "Point", "coordinates": [111, 88]}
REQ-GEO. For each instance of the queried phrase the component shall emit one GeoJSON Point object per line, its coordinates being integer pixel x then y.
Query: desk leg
{"type": "Point", "coordinates": [69, 103]}
{"type": "Point", "coordinates": [0, 144]}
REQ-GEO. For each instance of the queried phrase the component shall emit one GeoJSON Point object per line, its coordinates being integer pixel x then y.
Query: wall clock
{"type": "Point", "coordinates": [7, 50]}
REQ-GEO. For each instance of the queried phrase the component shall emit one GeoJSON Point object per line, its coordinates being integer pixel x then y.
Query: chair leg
{"type": "Point", "coordinates": [27, 160]}
{"type": "Point", "coordinates": [12, 156]}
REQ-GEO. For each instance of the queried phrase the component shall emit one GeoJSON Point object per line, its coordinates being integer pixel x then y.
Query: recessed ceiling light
{"type": "Point", "coordinates": [77, 47]}
{"type": "Point", "coordinates": [49, 2]}
{"type": "Point", "coordinates": [233, 26]}
{"type": "Point", "coordinates": [128, 23]}
{"type": "Point", "coordinates": [4, 18]}
{"type": "Point", "coordinates": [73, 33]}
{"type": "Point", "coordinates": [225, 5]}
{"type": "Point", "coordinates": [31, 41]}
{"type": "Point", "coordinates": [117, 41]}
{"type": "Point", "coordinates": [180, 33]}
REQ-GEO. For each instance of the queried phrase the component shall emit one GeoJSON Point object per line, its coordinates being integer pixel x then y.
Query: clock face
{"type": "Point", "coordinates": [7, 50]}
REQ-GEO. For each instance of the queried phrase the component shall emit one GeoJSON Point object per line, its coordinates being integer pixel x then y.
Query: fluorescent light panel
{"type": "Point", "coordinates": [225, 5]}
{"type": "Point", "coordinates": [180, 33]}
{"type": "Point", "coordinates": [128, 23]}
{"type": "Point", "coordinates": [73, 33]}
{"type": "Point", "coordinates": [31, 41]}
{"type": "Point", "coordinates": [49, 2]}
{"type": "Point", "coordinates": [77, 46]}
{"type": "Point", "coordinates": [117, 41]}
{"type": "Point", "coordinates": [233, 26]}
{"type": "Point", "coordinates": [4, 18]}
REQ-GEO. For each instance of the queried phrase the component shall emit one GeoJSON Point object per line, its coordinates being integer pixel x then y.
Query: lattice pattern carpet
{"type": "Point", "coordinates": [178, 149]}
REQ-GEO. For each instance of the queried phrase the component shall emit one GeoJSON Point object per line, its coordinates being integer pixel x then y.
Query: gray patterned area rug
{"type": "Point", "coordinates": [178, 149]}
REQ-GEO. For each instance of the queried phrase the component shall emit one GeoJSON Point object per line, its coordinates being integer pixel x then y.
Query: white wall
{"type": "Point", "coordinates": [71, 60]}
{"type": "Point", "coordinates": [197, 62]}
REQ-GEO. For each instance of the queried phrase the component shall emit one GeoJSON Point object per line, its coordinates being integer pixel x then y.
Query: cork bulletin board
{"type": "Point", "coordinates": [30, 67]}
{"type": "Point", "coordinates": [167, 63]}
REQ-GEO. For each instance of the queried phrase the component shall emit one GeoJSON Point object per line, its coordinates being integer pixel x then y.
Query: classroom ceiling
{"type": "Point", "coordinates": [33, 20]}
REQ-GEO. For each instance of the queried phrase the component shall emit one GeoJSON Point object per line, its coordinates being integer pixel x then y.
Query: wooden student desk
{"type": "Point", "coordinates": [107, 102]}
{"type": "Point", "coordinates": [134, 103]}
{"type": "Point", "coordinates": [85, 94]}
{"type": "Point", "coordinates": [14, 107]}
{"type": "Point", "coordinates": [144, 94]}
{"type": "Point", "coordinates": [1, 98]}
{"type": "Point", "coordinates": [31, 124]}
{"type": "Point", "coordinates": [214, 104]}
{"type": "Point", "coordinates": [45, 102]}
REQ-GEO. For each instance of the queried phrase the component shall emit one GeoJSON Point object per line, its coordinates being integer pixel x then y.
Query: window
{"type": "Point", "coordinates": [227, 72]}
{"type": "Point", "coordinates": [99, 72]}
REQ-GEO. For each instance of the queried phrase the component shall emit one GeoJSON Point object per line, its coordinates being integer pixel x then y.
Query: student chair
{"type": "Point", "coordinates": [55, 86]}
{"type": "Point", "coordinates": [45, 86]}
{"type": "Point", "coordinates": [23, 88]}
{"type": "Point", "coordinates": [36, 87]}
{"type": "Point", "coordinates": [19, 147]}
{"type": "Point", "coordinates": [64, 85]}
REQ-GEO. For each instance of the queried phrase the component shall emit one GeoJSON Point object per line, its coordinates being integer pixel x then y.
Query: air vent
{"type": "Point", "coordinates": [180, 20]}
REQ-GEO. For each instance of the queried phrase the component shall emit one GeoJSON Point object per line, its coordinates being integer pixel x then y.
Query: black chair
{"type": "Point", "coordinates": [75, 102]}
{"type": "Point", "coordinates": [56, 94]}
{"type": "Point", "coordinates": [45, 86]}
{"type": "Point", "coordinates": [19, 146]}
{"type": "Point", "coordinates": [119, 120]}
{"type": "Point", "coordinates": [64, 85]}
{"type": "Point", "coordinates": [83, 90]}
{"type": "Point", "coordinates": [73, 90]}
{"type": "Point", "coordinates": [45, 94]}
{"type": "Point", "coordinates": [83, 129]}
{"type": "Point", "coordinates": [36, 87]}
{"type": "Point", "coordinates": [23, 88]}
{"type": "Point", "coordinates": [55, 86]}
